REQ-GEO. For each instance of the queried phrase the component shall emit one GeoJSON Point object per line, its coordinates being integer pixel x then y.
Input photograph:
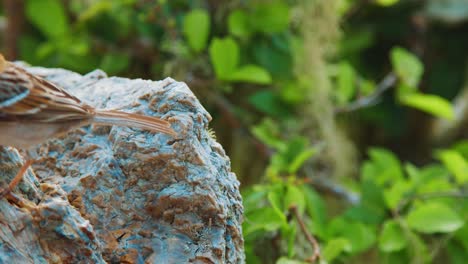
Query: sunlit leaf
{"type": "Point", "coordinates": [360, 236]}
{"type": "Point", "coordinates": [224, 55]}
{"type": "Point", "coordinates": [300, 159]}
{"type": "Point", "coordinates": [396, 193]}
{"type": "Point", "coordinates": [392, 237]}
{"type": "Point", "coordinates": [276, 198]}
{"type": "Point", "coordinates": [290, 232]}
{"type": "Point", "coordinates": [94, 10]}
{"type": "Point", "coordinates": [270, 17]}
{"type": "Point", "coordinates": [264, 218]}
{"type": "Point", "coordinates": [455, 163]}
{"type": "Point", "coordinates": [335, 247]}
{"type": "Point", "coordinates": [382, 168]}
{"type": "Point", "coordinates": [238, 23]}
{"type": "Point", "coordinates": [269, 133]}
{"type": "Point", "coordinates": [197, 28]}
{"type": "Point", "coordinates": [387, 2]}
{"type": "Point", "coordinates": [251, 74]}
{"type": "Point", "coordinates": [114, 63]}
{"type": "Point", "coordinates": [462, 148]}
{"type": "Point", "coordinates": [254, 196]}
{"type": "Point", "coordinates": [284, 260]}
{"type": "Point", "coordinates": [316, 209]}
{"type": "Point", "coordinates": [434, 217]}
{"type": "Point", "coordinates": [346, 82]}
{"type": "Point", "coordinates": [48, 16]}
{"type": "Point", "coordinates": [407, 66]}
{"type": "Point", "coordinates": [295, 197]}
{"type": "Point", "coordinates": [429, 103]}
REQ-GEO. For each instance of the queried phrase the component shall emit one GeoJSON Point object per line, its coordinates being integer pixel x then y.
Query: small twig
{"type": "Point", "coordinates": [371, 100]}
{"type": "Point", "coordinates": [310, 238]}
{"type": "Point", "coordinates": [326, 185]}
{"type": "Point", "coordinates": [16, 179]}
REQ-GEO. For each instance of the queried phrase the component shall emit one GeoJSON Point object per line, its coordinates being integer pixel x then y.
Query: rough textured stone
{"type": "Point", "coordinates": [121, 195]}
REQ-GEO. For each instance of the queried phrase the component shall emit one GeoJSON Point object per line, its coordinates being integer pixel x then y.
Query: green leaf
{"type": "Point", "coordinates": [455, 163]}
{"type": "Point", "coordinates": [238, 23]}
{"type": "Point", "coordinates": [295, 149]}
{"type": "Point", "coordinates": [461, 236]}
{"type": "Point", "coordinates": [366, 87]}
{"type": "Point", "coordinates": [300, 159]}
{"type": "Point", "coordinates": [419, 251]}
{"type": "Point", "coordinates": [429, 103]}
{"type": "Point", "coordinates": [94, 10]}
{"type": "Point", "coordinates": [251, 74]}
{"type": "Point", "coordinates": [396, 193]}
{"type": "Point", "coordinates": [224, 55]}
{"type": "Point", "coordinates": [371, 209]}
{"type": "Point", "coordinates": [407, 66]}
{"type": "Point", "coordinates": [269, 133]}
{"type": "Point", "coordinates": [295, 197]}
{"type": "Point", "coordinates": [383, 167]}
{"type": "Point", "coordinates": [290, 233]}
{"type": "Point", "coordinates": [276, 198]}
{"type": "Point", "coordinates": [346, 82]}
{"type": "Point", "coordinates": [285, 260]}
{"type": "Point", "coordinates": [457, 254]}
{"type": "Point", "coordinates": [48, 16]}
{"type": "Point", "coordinates": [265, 218]}
{"type": "Point", "coordinates": [275, 54]}
{"type": "Point", "coordinates": [360, 236]}
{"type": "Point", "coordinates": [392, 237]}
{"type": "Point", "coordinates": [197, 29]}
{"type": "Point", "coordinates": [253, 197]}
{"type": "Point", "coordinates": [114, 63]}
{"type": "Point", "coordinates": [316, 209]}
{"type": "Point", "coordinates": [268, 102]}
{"type": "Point", "coordinates": [270, 17]}
{"type": "Point", "coordinates": [462, 148]}
{"type": "Point", "coordinates": [433, 218]}
{"type": "Point", "coordinates": [387, 2]}
{"type": "Point", "coordinates": [335, 247]}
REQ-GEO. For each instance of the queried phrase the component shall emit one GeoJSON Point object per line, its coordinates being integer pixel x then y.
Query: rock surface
{"type": "Point", "coordinates": [121, 195]}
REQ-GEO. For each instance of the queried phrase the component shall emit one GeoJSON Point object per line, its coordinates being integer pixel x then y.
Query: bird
{"type": "Point", "coordinates": [34, 110]}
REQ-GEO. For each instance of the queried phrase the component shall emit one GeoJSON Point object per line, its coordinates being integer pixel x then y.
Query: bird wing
{"type": "Point", "coordinates": [29, 97]}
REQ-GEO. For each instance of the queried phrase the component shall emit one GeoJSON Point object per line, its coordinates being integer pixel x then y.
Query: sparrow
{"type": "Point", "coordinates": [34, 110]}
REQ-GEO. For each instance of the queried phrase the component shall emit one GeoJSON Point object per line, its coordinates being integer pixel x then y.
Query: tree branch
{"type": "Point", "coordinates": [310, 238]}
{"type": "Point", "coordinates": [14, 11]}
{"type": "Point", "coordinates": [371, 100]}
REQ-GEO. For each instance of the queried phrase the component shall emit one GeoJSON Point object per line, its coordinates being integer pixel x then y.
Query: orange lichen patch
{"type": "Point", "coordinates": [109, 240]}
{"type": "Point", "coordinates": [76, 199]}
{"type": "Point", "coordinates": [89, 182]}
{"type": "Point", "coordinates": [130, 257]}
{"type": "Point", "coordinates": [99, 200]}
{"type": "Point", "coordinates": [83, 151]}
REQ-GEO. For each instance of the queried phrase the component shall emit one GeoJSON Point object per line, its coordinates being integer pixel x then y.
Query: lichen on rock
{"type": "Point", "coordinates": [122, 195]}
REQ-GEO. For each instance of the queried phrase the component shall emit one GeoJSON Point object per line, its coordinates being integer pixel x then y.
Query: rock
{"type": "Point", "coordinates": [122, 195]}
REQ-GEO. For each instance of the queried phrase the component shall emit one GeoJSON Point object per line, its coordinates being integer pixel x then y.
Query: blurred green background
{"type": "Point", "coordinates": [345, 120]}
